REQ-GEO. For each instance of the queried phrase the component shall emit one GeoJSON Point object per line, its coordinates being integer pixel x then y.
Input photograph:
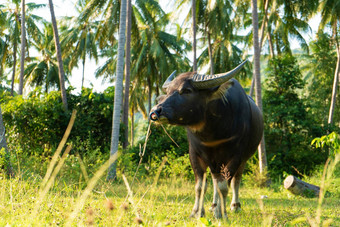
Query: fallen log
{"type": "Point", "coordinates": [299, 187]}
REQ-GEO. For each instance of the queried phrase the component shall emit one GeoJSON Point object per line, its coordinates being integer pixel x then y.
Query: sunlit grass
{"type": "Point", "coordinates": [169, 202]}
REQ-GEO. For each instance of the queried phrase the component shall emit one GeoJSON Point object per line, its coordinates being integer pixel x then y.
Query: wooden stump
{"type": "Point", "coordinates": [299, 187]}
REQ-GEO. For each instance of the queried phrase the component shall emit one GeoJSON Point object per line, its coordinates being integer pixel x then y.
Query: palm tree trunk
{"type": "Point", "coordinates": [193, 11]}
{"type": "Point", "coordinates": [14, 66]}
{"type": "Point", "coordinates": [263, 26]}
{"type": "Point", "coordinates": [149, 95]}
{"type": "Point", "coordinates": [117, 106]}
{"type": "Point", "coordinates": [132, 125]}
{"type": "Point", "coordinates": [278, 49]}
{"type": "Point", "coordinates": [257, 76]}
{"type": "Point", "coordinates": [23, 42]}
{"type": "Point", "coordinates": [83, 76]}
{"type": "Point", "coordinates": [335, 83]}
{"type": "Point", "coordinates": [210, 55]}
{"type": "Point", "coordinates": [271, 46]}
{"type": "Point", "coordinates": [60, 61]}
{"type": "Point", "coordinates": [3, 145]}
{"type": "Point", "coordinates": [127, 76]}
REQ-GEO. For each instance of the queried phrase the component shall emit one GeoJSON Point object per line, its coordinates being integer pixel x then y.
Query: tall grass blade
{"type": "Point", "coordinates": [325, 182]}
{"type": "Point", "coordinates": [130, 195]}
{"type": "Point", "coordinates": [59, 149]}
{"type": "Point", "coordinates": [43, 191]}
{"type": "Point", "coordinates": [148, 133]}
{"type": "Point", "coordinates": [82, 167]}
{"type": "Point", "coordinates": [159, 171]}
{"type": "Point", "coordinates": [91, 184]}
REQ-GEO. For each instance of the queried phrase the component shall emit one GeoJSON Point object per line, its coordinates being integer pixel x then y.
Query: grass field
{"type": "Point", "coordinates": [25, 201]}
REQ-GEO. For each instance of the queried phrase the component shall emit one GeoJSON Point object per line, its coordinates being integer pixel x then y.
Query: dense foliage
{"type": "Point", "coordinates": [36, 124]}
{"type": "Point", "coordinates": [289, 127]}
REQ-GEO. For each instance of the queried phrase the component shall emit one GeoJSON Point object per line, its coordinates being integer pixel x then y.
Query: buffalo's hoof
{"type": "Point", "coordinates": [235, 207]}
{"type": "Point", "coordinates": [195, 214]}
{"type": "Point", "coordinates": [211, 209]}
{"type": "Point", "coordinates": [217, 212]}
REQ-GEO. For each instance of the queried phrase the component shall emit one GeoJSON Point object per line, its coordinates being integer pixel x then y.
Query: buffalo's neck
{"type": "Point", "coordinates": [216, 125]}
{"type": "Point", "coordinates": [224, 121]}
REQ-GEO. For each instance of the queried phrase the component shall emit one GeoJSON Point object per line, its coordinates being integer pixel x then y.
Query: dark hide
{"type": "Point", "coordinates": [224, 128]}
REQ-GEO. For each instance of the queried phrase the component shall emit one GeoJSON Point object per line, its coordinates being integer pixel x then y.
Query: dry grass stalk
{"type": "Point", "coordinates": [82, 167]}
{"type": "Point", "coordinates": [59, 149]}
{"type": "Point", "coordinates": [91, 184]}
{"type": "Point", "coordinates": [43, 191]}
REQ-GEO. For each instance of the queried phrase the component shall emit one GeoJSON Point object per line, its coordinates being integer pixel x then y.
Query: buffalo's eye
{"type": "Point", "coordinates": [186, 91]}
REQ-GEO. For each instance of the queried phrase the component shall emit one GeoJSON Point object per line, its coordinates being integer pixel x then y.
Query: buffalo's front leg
{"type": "Point", "coordinates": [235, 185]}
{"type": "Point", "coordinates": [199, 169]}
{"type": "Point", "coordinates": [220, 196]}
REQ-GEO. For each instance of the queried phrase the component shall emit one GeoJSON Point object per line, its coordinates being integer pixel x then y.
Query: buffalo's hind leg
{"type": "Point", "coordinates": [235, 204]}
{"type": "Point", "coordinates": [199, 169]}
{"type": "Point", "coordinates": [220, 196]}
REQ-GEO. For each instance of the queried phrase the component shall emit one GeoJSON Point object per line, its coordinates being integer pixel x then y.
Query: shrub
{"type": "Point", "coordinates": [288, 126]}
{"type": "Point", "coordinates": [159, 145]}
{"type": "Point", "coordinates": [37, 124]}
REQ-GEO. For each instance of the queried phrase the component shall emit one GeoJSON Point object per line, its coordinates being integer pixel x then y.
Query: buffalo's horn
{"type": "Point", "coordinates": [200, 81]}
{"type": "Point", "coordinates": [168, 81]}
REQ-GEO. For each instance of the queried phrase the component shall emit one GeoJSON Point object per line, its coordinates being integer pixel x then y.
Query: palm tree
{"type": "Point", "coordinates": [12, 25]}
{"type": "Point", "coordinates": [118, 89]}
{"type": "Point", "coordinates": [193, 12]}
{"type": "Point", "coordinates": [23, 42]}
{"type": "Point", "coordinates": [4, 44]}
{"type": "Point", "coordinates": [60, 62]}
{"type": "Point", "coordinates": [80, 40]}
{"type": "Point", "coordinates": [330, 14]}
{"type": "Point", "coordinates": [43, 70]}
{"type": "Point", "coordinates": [127, 75]}
{"type": "Point", "coordinates": [153, 43]}
{"type": "Point", "coordinates": [257, 76]}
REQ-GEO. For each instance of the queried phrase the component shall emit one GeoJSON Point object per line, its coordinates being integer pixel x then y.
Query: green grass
{"type": "Point", "coordinates": [167, 202]}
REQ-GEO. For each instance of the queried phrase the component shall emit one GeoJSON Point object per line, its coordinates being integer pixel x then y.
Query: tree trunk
{"type": "Point", "coordinates": [271, 46]}
{"type": "Point", "coordinates": [263, 27]}
{"type": "Point", "coordinates": [335, 83]}
{"type": "Point", "coordinates": [149, 95]}
{"type": "Point", "coordinates": [60, 61]}
{"type": "Point", "coordinates": [278, 49]}
{"type": "Point", "coordinates": [83, 76]}
{"type": "Point", "coordinates": [3, 145]}
{"type": "Point", "coordinates": [299, 187]}
{"type": "Point", "coordinates": [14, 65]}
{"type": "Point", "coordinates": [193, 11]}
{"type": "Point", "coordinates": [127, 75]}
{"type": "Point", "coordinates": [132, 125]}
{"type": "Point", "coordinates": [210, 55]}
{"type": "Point", "coordinates": [257, 76]}
{"type": "Point", "coordinates": [117, 106]}
{"type": "Point", "coordinates": [23, 42]}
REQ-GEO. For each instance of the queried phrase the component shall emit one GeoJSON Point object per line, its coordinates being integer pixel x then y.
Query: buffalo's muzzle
{"type": "Point", "coordinates": [155, 114]}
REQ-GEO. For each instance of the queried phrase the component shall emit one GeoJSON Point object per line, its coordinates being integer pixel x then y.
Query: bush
{"type": "Point", "coordinates": [159, 145]}
{"type": "Point", "coordinates": [288, 127]}
{"type": "Point", "coordinates": [36, 124]}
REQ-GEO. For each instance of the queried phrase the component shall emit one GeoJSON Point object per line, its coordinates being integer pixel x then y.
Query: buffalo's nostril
{"type": "Point", "coordinates": [154, 115]}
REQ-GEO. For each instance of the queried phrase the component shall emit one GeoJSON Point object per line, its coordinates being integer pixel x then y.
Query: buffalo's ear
{"type": "Point", "coordinates": [219, 92]}
{"type": "Point", "coordinates": [214, 89]}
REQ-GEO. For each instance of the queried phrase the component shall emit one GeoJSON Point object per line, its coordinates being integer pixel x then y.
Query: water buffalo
{"type": "Point", "coordinates": [224, 127]}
